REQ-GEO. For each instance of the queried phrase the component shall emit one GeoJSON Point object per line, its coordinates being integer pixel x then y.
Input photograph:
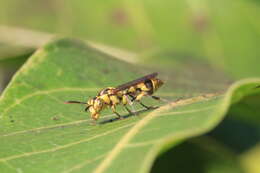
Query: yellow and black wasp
{"type": "Point", "coordinates": [124, 94]}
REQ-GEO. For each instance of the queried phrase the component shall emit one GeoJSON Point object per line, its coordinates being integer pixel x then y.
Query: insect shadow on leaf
{"type": "Point", "coordinates": [127, 116]}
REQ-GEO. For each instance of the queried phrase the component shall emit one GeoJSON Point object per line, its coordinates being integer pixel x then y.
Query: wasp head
{"type": "Point", "coordinates": [95, 105]}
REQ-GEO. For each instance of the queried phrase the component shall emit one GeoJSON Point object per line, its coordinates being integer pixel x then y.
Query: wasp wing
{"type": "Point", "coordinates": [135, 82]}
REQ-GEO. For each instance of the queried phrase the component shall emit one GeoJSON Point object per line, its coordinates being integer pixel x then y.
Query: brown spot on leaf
{"type": "Point", "coordinates": [55, 118]}
{"type": "Point", "coordinates": [105, 71]}
{"type": "Point", "coordinates": [200, 22]}
{"type": "Point", "coordinates": [119, 16]}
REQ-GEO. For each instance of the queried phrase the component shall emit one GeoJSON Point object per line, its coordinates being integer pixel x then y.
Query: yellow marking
{"type": "Point", "coordinates": [114, 99]}
{"type": "Point", "coordinates": [98, 104]}
{"type": "Point", "coordinates": [140, 96]}
{"type": "Point", "coordinates": [63, 146]}
{"type": "Point", "coordinates": [157, 83]}
{"type": "Point", "coordinates": [143, 87]}
{"type": "Point", "coordinates": [124, 100]}
{"type": "Point", "coordinates": [131, 89]}
{"type": "Point", "coordinates": [105, 98]}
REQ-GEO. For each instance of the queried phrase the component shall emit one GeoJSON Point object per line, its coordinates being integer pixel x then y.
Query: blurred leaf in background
{"type": "Point", "coordinates": [218, 31]}
{"type": "Point", "coordinates": [8, 66]}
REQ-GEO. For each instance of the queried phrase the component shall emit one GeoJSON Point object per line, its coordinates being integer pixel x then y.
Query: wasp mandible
{"type": "Point", "coordinates": [124, 94]}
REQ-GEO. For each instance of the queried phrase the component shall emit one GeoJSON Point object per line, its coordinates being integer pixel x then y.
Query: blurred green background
{"type": "Point", "coordinates": [223, 34]}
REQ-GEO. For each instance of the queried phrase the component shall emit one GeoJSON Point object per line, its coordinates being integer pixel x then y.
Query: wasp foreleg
{"type": "Point", "coordinates": [86, 109]}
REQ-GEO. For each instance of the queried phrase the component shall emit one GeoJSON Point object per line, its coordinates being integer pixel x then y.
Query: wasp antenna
{"type": "Point", "coordinates": [77, 102]}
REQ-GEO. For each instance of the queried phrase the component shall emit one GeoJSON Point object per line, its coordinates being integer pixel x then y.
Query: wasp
{"type": "Point", "coordinates": [124, 94]}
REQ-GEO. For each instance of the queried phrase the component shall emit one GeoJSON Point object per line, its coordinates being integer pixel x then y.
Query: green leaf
{"type": "Point", "coordinates": [39, 133]}
{"type": "Point", "coordinates": [250, 159]}
{"type": "Point", "coordinates": [203, 153]}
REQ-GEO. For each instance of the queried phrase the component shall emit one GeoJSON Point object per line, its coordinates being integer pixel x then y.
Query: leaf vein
{"type": "Point", "coordinates": [63, 146]}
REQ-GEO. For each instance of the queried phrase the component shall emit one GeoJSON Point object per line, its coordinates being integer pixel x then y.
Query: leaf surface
{"type": "Point", "coordinates": [39, 133]}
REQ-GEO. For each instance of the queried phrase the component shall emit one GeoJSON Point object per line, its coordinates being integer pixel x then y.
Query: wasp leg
{"type": "Point", "coordinates": [147, 107]}
{"type": "Point", "coordinates": [128, 110]}
{"type": "Point", "coordinates": [160, 99]}
{"type": "Point", "coordinates": [114, 110]}
{"type": "Point", "coordinates": [156, 97]}
{"type": "Point", "coordinates": [86, 109]}
{"type": "Point", "coordinates": [93, 122]}
{"type": "Point", "coordinates": [126, 100]}
{"type": "Point", "coordinates": [138, 98]}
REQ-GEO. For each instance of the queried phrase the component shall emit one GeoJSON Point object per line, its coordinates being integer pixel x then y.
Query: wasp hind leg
{"type": "Point", "coordinates": [129, 111]}
{"type": "Point", "coordinates": [156, 97]}
{"type": "Point", "coordinates": [114, 110]}
{"type": "Point", "coordinates": [160, 99]}
{"type": "Point", "coordinates": [138, 99]}
{"type": "Point", "coordinates": [145, 106]}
